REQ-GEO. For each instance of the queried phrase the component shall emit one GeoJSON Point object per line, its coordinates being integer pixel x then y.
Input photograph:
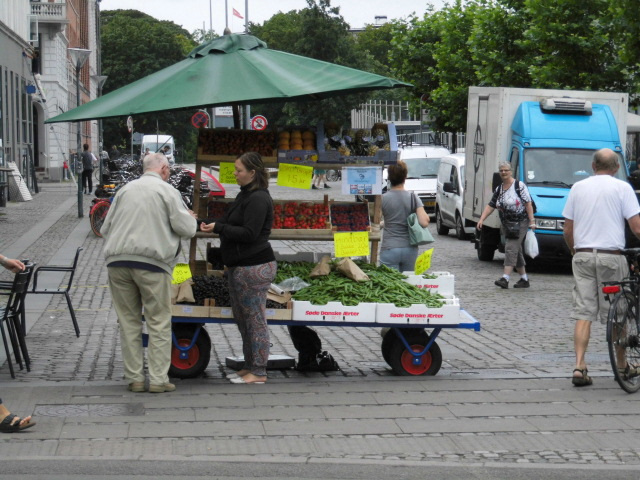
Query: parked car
{"type": "Point", "coordinates": [422, 163]}
{"type": "Point", "coordinates": [449, 195]}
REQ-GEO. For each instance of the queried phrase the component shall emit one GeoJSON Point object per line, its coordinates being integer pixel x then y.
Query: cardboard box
{"type": "Point", "coordinates": [271, 313]}
{"type": "Point", "coordinates": [334, 312]}
{"type": "Point", "coordinates": [190, 311]}
{"type": "Point", "coordinates": [420, 314]}
{"type": "Point", "coordinates": [443, 284]}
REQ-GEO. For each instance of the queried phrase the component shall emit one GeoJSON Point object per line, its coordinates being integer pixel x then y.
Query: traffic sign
{"type": "Point", "coordinates": [258, 123]}
{"type": "Point", "coordinates": [130, 124]}
{"type": "Point", "coordinates": [200, 119]}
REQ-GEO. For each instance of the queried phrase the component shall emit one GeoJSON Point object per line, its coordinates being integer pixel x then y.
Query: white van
{"type": "Point", "coordinates": [422, 163]}
{"type": "Point", "coordinates": [449, 195]}
{"type": "Point", "coordinates": [157, 143]}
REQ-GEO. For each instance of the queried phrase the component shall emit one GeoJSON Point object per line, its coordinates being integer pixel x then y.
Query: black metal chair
{"type": "Point", "coordinates": [71, 269]}
{"type": "Point", "coordinates": [11, 314]}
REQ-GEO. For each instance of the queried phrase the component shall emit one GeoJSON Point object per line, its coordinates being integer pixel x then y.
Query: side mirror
{"type": "Point", "coordinates": [448, 187]}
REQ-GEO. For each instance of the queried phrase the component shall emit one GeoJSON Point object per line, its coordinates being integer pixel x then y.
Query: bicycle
{"type": "Point", "coordinates": [98, 213]}
{"type": "Point", "coordinates": [623, 324]}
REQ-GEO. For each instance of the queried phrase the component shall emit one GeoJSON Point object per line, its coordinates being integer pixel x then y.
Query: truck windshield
{"type": "Point", "coordinates": [422, 167]}
{"type": "Point", "coordinates": [155, 147]}
{"type": "Point", "coordinates": [560, 167]}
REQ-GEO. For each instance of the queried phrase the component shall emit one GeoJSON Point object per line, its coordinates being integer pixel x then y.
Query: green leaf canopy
{"type": "Point", "coordinates": [232, 69]}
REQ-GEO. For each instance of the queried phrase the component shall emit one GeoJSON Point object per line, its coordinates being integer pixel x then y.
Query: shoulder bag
{"type": "Point", "coordinates": [418, 235]}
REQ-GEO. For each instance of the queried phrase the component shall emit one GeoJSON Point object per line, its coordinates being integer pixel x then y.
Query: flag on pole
{"type": "Point", "coordinates": [237, 13]}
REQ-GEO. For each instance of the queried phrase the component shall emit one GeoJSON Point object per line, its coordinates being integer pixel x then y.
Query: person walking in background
{"type": "Point", "coordinates": [246, 252]}
{"type": "Point", "coordinates": [515, 207]}
{"type": "Point", "coordinates": [143, 232]}
{"type": "Point", "coordinates": [319, 179]}
{"type": "Point", "coordinates": [397, 203]}
{"type": "Point", "coordinates": [87, 159]}
{"type": "Point", "coordinates": [595, 215]}
{"type": "Point", "coordinates": [114, 153]}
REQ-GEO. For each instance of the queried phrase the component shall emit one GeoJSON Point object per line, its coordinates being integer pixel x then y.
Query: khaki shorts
{"type": "Point", "coordinates": [589, 271]}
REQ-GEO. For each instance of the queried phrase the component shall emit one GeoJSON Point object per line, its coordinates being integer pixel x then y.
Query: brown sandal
{"type": "Point", "coordinates": [582, 381]}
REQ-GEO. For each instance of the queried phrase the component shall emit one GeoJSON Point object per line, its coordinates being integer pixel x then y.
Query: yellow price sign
{"type": "Point", "coordinates": [181, 272]}
{"type": "Point", "coordinates": [296, 176]}
{"type": "Point", "coordinates": [423, 262]}
{"type": "Point", "coordinates": [226, 173]}
{"type": "Point", "coordinates": [351, 244]}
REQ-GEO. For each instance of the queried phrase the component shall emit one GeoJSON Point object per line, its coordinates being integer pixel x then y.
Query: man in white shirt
{"type": "Point", "coordinates": [595, 213]}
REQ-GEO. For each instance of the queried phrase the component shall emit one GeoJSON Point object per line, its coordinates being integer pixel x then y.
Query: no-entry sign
{"type": "Point", "coordinates": [258, 123]}
{"type": "Point", "coordinates": [200, 119]}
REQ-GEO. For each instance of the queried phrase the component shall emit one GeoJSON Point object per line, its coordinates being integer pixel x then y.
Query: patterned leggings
{"type": "Point", "coordinates": [248, 293]}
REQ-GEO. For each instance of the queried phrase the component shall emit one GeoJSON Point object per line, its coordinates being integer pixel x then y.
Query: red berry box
{"type": "Point", "coordinates": [300, 216]}
{"type": "Point", "coordinates": [350, 217]}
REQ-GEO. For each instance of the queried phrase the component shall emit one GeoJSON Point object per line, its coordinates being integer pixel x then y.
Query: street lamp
{"type": "Point", "coordinates": [78, 57]}
{"type": "Point", "coordinates": [100, 79]}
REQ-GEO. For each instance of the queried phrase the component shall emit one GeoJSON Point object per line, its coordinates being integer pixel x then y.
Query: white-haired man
{"type": "Point", "coordinates": [143, 232]}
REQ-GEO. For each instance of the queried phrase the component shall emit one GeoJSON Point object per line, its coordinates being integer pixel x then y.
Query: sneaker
{"type": "Point", "coordinates": [522, 283]}
{"type": "Point", "coordinates": [326, 186]}
{"type": "Point", "coordinates": [502, 282]}
{"type": "Point", "coordinates": [314, 187]}
{"type": "Point", "coordinates": [167, 387]}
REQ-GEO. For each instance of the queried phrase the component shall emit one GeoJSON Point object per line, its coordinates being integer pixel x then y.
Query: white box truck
{"type": "Point", "coordinates": [158, 143]}
{"type": "Point", "coordinates": [548, 137]}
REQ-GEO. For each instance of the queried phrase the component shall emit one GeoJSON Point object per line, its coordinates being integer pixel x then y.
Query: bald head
{"type": "Point", "coordinates": [605, 160]}
{"type": "Point", "coordinates": [154, 162]}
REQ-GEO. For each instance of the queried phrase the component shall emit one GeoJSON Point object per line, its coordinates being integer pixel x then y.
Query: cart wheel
{"type": "Point", "coordinates": [197, 357]}
{"type": "Point", "coordinates": [401, 360]}
{"type": "Point", "coordinates": [390, 338]}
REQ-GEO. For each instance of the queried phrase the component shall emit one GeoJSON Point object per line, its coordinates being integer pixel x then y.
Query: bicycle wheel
{"type": "Point", "coordinates": [97, 215]}
{"type": "Point", "coordinates": [624, 340]}
{"type": "Point", "coordinates": [333, 175]}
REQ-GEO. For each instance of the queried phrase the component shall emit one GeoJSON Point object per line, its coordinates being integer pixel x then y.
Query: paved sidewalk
{"type": "Point", "coordinates": [502, 397]}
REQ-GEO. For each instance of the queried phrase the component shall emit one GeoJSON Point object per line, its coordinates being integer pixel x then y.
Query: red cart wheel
{"type": "Point", "coordinates": [390, 337]}
{"type": "Point", "coordinates": [196, 359]}
{"type": "Point", "coordinates": [402, 361]}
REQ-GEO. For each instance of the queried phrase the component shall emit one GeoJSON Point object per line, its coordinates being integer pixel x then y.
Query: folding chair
{"type": "Point", "coordinates": [11, 314]}
{"type": "Point", "coordinates": [62, 291]}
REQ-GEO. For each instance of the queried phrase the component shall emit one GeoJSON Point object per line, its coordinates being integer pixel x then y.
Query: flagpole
{"type": "Point", "coordinates": [210, 17]}
{"type": "Point", "coordinates": [226, 14]}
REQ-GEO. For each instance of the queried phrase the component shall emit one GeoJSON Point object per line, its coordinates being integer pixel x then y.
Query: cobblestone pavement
{"type": "Point", "coordinates": [503, 394]}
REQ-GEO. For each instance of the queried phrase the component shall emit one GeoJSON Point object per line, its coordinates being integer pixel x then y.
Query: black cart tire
{"type": "Point", "coordinates": [401, 360]}
{"type": "Point", "coordinates": [389, 339]}
{"type": "Point", "coordinates": [198, 356]}
{"type": "Point", "coordinates": [440, 228]}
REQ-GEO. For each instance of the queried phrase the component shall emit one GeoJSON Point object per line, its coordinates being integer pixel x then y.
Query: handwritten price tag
{"type": "Point", "coordinates": [181, 272]}
{"type": "Point", "coordinates": [295, 176]}
{"type": "Point", "coordinates": [226, 173]}
{"type": "Point", "coordinates": [351, 244]}
{"type": "Point", "coordinates": [423, 262]}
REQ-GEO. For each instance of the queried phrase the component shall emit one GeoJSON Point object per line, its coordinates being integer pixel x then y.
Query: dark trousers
{"type": "Point", "coordinates": [86, 177]}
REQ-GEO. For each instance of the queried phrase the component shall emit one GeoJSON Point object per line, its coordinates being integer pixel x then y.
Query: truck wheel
{"type": "Point", "coordinates": [389, 339]}
{"type": "Point", "coordinates": [401, 360]}
{"type": "Point", "coordinates": [197, 357]}
{"type": "Point", "coordinates": [440, 228]}
{"type": "Point", "coordinates": [485, 252]}
{"type": "Point", "coordinates": [460, 233]}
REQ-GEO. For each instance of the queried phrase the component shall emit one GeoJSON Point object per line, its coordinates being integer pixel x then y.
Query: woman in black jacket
{"type": "Point", "coordinates": [244, 245]}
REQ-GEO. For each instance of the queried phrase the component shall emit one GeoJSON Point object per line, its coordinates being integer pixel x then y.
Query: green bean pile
{"type": "Point", "coordinates": [385, 285]}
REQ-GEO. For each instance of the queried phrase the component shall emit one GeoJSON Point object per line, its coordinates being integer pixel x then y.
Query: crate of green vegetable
{"type": "Point", "coordinates": [447, 313]}
{"type": "Point", "coordinates": [436, 282]}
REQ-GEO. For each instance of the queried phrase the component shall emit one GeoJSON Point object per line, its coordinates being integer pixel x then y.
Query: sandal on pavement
{"type": "Point", "coordinates": [245, 380]}
{"type": "Point", "coordinates": [582, 381]}
{"type": "Point", "coordinates": [630, 371]}
{"type": "Point", "coordinates": [12, 423]}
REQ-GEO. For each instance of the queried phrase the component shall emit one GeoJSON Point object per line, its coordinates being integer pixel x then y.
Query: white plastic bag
{"type": "Point", "coordinates": [531, 244]}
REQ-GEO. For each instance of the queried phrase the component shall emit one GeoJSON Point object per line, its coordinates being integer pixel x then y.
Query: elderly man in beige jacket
{"type": "Point", "coordinates": [143, 232]}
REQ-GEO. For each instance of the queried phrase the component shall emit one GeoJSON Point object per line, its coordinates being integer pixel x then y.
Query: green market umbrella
{"type": "Point", "coordinates": [232, 69]}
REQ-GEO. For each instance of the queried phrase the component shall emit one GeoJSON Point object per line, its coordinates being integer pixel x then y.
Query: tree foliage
{"type": "Point", "coordinates": [133, 46]}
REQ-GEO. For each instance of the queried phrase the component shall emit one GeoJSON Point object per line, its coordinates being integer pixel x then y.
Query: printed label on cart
{"type": "Point", "coordinates": [187, 309]}
{"type": "Point", "coordinates": [226, 312]}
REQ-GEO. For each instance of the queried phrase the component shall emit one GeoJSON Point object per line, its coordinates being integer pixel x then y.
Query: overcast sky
{"type": "Point", "coordinates": [193, 14]}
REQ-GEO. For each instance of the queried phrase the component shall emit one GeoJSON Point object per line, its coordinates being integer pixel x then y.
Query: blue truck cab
{"type": "Point", "coordinates": [549, 138]}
